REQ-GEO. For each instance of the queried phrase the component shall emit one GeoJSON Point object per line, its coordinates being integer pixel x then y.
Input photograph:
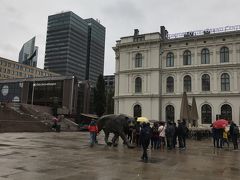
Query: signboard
{"type": "Point", "coordinates": [44, 84]}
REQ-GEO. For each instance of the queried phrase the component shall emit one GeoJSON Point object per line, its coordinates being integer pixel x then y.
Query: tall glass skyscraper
{"type": "Point", "coordinates": [29, 53]}
{"type": "Point", "coordinates": [75, 46]}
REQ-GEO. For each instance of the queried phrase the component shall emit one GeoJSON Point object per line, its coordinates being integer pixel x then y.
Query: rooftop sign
{"type": "Point", "coordinates": [204, 32]}
{"type": "Point", "coordinates": [44, 84]}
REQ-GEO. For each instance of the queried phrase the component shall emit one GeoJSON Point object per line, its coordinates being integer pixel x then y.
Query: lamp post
{"type": "Point", "coordinates": [33, 92]}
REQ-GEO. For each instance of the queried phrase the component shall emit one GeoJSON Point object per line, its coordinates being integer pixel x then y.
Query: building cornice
{"type": "Point", "coordinates": [137, 71]}
{"type": "Point", "coordinates": [202, 67]}
{"type": "Point", "coordinates": [222, 95]}
{"type": "Point", "coordinates": [137, 96]}
{"type": "Point", "coordinates": [185, 68]}
{"type": "Point", "coordinates": [127, 44]}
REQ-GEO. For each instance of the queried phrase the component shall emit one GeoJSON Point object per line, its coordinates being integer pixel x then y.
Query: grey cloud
{"type": "Point", "coordinates": [124, 10]}
{"type": "Point", "coordinates": [7, 49]}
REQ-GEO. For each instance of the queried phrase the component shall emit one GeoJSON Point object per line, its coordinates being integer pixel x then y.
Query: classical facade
{"type": "Point", "coordinates": [153, 70]}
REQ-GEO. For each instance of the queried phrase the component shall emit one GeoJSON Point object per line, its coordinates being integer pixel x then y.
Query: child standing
{"type": "Point", "coordinates": [93, 129]}
{"type": "Point", "coordinates": [225, 137]}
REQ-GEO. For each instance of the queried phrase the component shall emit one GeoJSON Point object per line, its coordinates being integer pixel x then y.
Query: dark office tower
{"type": "Point", "coordinates": [96, 46]}
{"type": "Point", "coordinates": [66, 46]}
{"type": "Point", "coordinates": [72, 46]}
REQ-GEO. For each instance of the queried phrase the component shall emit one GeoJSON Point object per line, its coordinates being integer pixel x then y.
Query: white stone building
{"type": "Point", "coordinates": [153, 70]}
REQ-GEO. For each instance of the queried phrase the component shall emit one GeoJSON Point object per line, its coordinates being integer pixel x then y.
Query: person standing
{"type": "Point", "coordinates": [185, 133]}
{"type": "Point", "coordinates": [234, 132]}
{"type": "Point", "coordinates": [175, 135]}
{"type": "Point", "coordinates": [169, 132]}
{"type": "Point", "coordinates": [145, 136]}
{"type": "Point", "coordinates": [93, 129]}
{"type": "Point", "coordinates": [214, 135]}
{"type": "Point", "coordinates": [161, 130]}
{"type": "Point", "coordinates": [155, 136]}
{"type": "Point", "coordinates": [180, 134]}
{"type": "Point", "coordinates": [130, 133]}
{"type": "Point", "coordinates": [137, 134]}
{"type": "Point", "coordinates": [56, 126]}
{"type": "Point", "coordinates": [225, 137]}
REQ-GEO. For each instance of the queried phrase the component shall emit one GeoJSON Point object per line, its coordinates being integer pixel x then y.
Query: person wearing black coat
{"type": "Point", "coordinates": [182, 132]}
{"type": "Point", "coordinates": [214, 135]}
{"type": "Point", "coordinates": [234, 134]}
{"type": "Point", "coordinates": [170, 131]}
{"type": "Point", "coordinates": [145, 137]}
{"type": "Point", "coordinates": [175, 136]}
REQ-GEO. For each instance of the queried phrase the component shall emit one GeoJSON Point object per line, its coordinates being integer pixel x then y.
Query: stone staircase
{"type": "Point", "coordinates": [13, 120]}
{"type": "Point", "coordinates": [16, 117]}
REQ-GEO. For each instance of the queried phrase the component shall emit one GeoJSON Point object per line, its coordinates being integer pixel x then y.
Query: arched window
{"type": "Point", "coordinates": [224, 54]}
{"type": "Point", "coordinates": [205, 82]}
{"type": "Point", "coordinates": [187, 87]}
{"type": "Point", "coordinates": [138, 60]}
{"type": "Point", "coordinates": [137, 111]}
{"type": "Point", "coordinates": [170, 84]}
{"type": "Point", "coordinates": [170, 113]}
{"type": "Point", "coordinates": [170, 60]}
{"type": "Point", "coordinates": [205, 56]}
{"type": "Point", "coordinates": [138, 85]}
{"type": "Point", "coordinates": [206, 112]}
{"type": "Point", "coordinates": [226, 112]}
{"type": "Point", "coordinates": [187, 57]}
{"type": "Point", "coordinates": [225, 82]}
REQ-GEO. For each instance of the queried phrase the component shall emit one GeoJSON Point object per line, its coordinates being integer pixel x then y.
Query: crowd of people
{"type": "Point", "coordinates": [168, 135]}
{"type": "Point", "coordinates": [162, 134]}
{"type": "Point", "coordinates": [159, 136]}
{"type": "Point", "coordinates": [223, 135]}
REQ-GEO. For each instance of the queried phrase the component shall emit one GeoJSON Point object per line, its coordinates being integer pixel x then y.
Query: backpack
{"type": "Point", "coordinates": [235, 130]}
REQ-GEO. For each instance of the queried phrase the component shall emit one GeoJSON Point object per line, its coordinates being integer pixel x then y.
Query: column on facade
{"type": "Point", "coordinates": [148, 56]}
{"type": "Point", "coordinates": [233, 59]}
{"type": "Point", "coordinates": [214, 57]}
{"type": "Point", "coordinates": [196, 79]}
{"type": "Point", "coordinates": [214, 83]}
{"type": "Point", "coordinates": [116, 84]}
{"type": "Point", "coordinates": [177, 60]}
{"type": "Point", "coordinates": [145, 82]}
{"type": "Point", "coordinates": [130, 60]}
{"type": "Point", "coordinates": [237, 53]}
{"type": "Point", "coordinates": [195, 59]}
{"type": "Point", "coordinates": [235, 81]}
{"type": "Point", "coordinates": [117, 65]}
{"type": "Point", "coordinates": [129, 84]}
{"type": "Point", "coordinates": [179, 83]}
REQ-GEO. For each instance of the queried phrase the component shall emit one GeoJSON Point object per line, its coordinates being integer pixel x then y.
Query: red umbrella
{"type": "Point", "coordinates": [220, 123]}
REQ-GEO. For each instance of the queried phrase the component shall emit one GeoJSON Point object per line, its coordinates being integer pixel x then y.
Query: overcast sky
{"type": "Point", "coordinates": [20, 20]}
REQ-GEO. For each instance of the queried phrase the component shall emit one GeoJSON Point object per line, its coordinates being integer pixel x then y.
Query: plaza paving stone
{"type": "Point", "coordinates": [66, 155]}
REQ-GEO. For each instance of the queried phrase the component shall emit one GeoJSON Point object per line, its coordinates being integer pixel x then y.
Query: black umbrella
{"type": "Point", "coordinates": [194, 113]}
{"type": "Point", "coordinates": [184, 113]}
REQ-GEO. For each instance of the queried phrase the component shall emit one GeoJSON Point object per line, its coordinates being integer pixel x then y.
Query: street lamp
{"type": "Point", "coordinates": [33, 91]}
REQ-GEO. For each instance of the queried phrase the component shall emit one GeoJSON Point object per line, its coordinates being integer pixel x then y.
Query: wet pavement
{"type": "Point", "coordinates": [46, 156]}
